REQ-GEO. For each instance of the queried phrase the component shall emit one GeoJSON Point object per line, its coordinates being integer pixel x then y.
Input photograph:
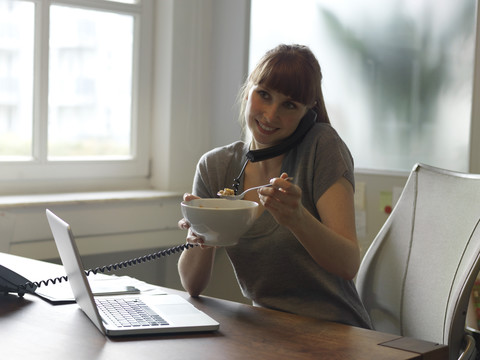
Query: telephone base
{"type": "Point", "coordinates": [11, 282]}
{"type": "Point", "coordinates": [6, 291]}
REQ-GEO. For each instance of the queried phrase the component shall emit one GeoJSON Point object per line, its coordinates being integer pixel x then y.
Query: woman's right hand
{"type": "Point", "coordinates": [195, 265]}
{"type": "Point", "coordinates": [183, 224]}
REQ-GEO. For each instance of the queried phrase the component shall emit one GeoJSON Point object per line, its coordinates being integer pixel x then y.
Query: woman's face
{"type": "Point", "coordinates": [271, 116]}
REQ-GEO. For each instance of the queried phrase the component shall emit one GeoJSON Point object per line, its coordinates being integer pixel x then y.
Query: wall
{"type": "Point", "coordinates": [101, 222]}
{"type": "Point", "coordinates": [201, 59]}
{"type": "Point", "coordinates": [378, 189]}
{"type": "Point", "coordinates": [208, 43]}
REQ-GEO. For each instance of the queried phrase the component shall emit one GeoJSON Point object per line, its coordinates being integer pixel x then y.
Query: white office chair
{"type": "Point", "coordinates": [416, 278]}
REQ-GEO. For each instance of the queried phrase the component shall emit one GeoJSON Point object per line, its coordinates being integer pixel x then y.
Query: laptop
{"type": "Point", "coordinates": [142, 314]}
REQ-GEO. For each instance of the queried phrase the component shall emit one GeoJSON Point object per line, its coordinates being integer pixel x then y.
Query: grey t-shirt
{"type": "Point", "coordinates": [272, 268]}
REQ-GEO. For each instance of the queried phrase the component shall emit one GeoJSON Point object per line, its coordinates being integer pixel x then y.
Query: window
{"type": "Point", "coordinates": [73, 103]}
{"type": "Point", "coordinates": [397, 74]}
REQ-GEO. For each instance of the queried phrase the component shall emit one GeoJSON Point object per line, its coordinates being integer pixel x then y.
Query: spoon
{"type": "Point", "coordinates": [240, 196]}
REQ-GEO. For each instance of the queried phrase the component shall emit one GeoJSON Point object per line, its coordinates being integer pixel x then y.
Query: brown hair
{"type": "Point", "coordinates": [292, 70]}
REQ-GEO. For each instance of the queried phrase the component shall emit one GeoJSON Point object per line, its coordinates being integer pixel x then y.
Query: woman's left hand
{"type": "Point", "coordinates": [283, 200]}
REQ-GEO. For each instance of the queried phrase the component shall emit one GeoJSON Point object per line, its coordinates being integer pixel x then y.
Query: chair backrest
{"type": "Point", "coordinates": [416, 278]}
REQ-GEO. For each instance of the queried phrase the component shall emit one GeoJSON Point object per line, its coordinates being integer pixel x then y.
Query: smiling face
{"type": "Point", "coordinates": [271, 116]}
{"type": "Point", "coordinates": [287, 75]}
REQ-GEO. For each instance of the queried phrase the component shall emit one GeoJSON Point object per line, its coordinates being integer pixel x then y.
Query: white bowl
{"type": "Point", "coordinates": [220, 222]}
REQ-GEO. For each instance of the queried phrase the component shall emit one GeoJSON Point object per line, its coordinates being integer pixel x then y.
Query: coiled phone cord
{"type": "Point", "coordinates": [107, 268]}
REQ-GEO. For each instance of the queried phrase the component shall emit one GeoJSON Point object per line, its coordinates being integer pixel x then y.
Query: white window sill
{"type": "Point", "coordinates": [12, 201]}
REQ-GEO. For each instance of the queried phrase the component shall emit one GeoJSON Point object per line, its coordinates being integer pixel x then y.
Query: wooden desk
{"type": "Point", "coordinates": [32, 325]}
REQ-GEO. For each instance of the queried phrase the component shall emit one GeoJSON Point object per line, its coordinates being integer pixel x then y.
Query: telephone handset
{"type": "Point", "coordinates": [289, 143]}
{"type": "Point", "coordinates": [11, 282]}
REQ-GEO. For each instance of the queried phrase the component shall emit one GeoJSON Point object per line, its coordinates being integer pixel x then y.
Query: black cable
{"type": "Point", "coordinates": [109, 268]}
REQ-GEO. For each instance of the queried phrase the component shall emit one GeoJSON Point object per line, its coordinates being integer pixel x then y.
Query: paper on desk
{"type": "Point", "coordinates": [61, 293]}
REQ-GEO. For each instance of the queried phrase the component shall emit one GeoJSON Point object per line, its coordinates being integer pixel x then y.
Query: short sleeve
{"type": "Point", "coordinates": [217, 168]}
{"type": "Point", "coordinates": [332, 161]}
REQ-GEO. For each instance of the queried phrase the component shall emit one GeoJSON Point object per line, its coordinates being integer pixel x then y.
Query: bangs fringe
{"type": "Point", "coordinates": [289, 78]}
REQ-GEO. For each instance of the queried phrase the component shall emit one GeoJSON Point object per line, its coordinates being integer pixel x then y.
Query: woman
{"type": "Point", "coordinates": [302, 253]}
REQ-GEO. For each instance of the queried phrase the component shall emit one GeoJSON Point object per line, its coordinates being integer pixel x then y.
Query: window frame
{"type": "Point", "coordinates": [39, 167]}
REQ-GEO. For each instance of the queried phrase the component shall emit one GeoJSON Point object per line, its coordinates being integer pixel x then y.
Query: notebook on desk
{"type": "Point", "coordinates": [124, 314]}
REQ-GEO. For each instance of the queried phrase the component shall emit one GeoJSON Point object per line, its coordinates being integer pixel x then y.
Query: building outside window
{"type": "Point", "coordinates": [398, 75]}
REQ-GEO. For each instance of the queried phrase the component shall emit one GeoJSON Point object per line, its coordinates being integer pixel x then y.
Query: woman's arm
{"type": "Point", "coordinates": [195, 265]}
{"type": "Point", "coordinates": [195, 268]}
{"type": "Point", "coordinates": [332, 243]}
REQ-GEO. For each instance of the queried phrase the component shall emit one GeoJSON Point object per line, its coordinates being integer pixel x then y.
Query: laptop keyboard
{"type": "Point", "coordinates": [128, 312]}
